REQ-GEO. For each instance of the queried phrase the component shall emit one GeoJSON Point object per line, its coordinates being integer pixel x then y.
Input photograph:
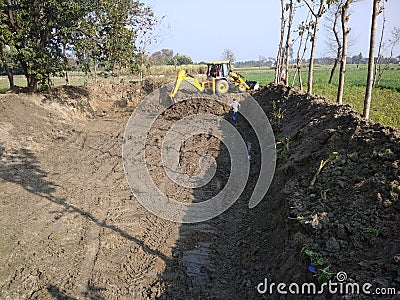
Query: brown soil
{"type": "Point", "coordinates": [71, 229]}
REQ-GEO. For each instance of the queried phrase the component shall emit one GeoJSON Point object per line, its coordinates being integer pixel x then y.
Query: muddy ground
{"type": "Point", "coordinates": [71, 228]}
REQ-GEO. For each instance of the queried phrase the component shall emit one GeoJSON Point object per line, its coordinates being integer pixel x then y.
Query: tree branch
{"type": "Point", "coordinates": [310, 8]}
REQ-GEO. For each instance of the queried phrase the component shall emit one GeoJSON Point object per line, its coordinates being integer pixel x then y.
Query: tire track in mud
{"type": "Point", "coordinates": [101, 275]}
{"type": "Point", "coordinates": [86, 176]}
{"type": "Point", "coordinates": [92, 239]}
{"type": "Point", "coordinates": [83, 235]}
{"type": "Point", "coordinates": [131, 242]}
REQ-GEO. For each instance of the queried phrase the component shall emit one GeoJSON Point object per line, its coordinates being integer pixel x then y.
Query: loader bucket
{"type": "Point", "coordinates": [254, 85]}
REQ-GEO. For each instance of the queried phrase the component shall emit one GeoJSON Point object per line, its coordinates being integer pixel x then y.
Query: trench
{"type": "Point", "coordinates": [76, 191]}
{"type": "Point", "coordinates": [210, 257]}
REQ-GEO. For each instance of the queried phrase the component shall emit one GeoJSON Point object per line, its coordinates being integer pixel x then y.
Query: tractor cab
{"type": "Point", "coordinates": [219, 69]}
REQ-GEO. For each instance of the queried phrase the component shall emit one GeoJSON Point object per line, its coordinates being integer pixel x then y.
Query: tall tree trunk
{"type": "Point", "coordinates": [66, 77]}
{"type": "Point", "coordinates": [10, 75]}
{"type": "Point", "coordinates": [377, 68]}
{"type": "Point", "coordinates": [371, 62]}
{"type": "Point", "coordinates": [32, 83]}
{"type": "Point", "coordinates": [313, 46]}
{"type": "Point", "coordinates": [66, 65]}
{"type": "Point", "coordinates": [339, 45]}
{"type": "Point", "coordinates": [333, 70]}
{"type": "Point", "coordinates": [287, 46]}
{"type": "Point", "coordinates": [303, 28]}
{"type": "Point", "coordinates": [31, 80]}
{"type": "Point", "coordinates": [345, 33]}
{"type": "Point", "coordinates": [278, 68]}
{"type": "Point", "coordinates": [393, 43]}
{"type": "Point", "coordinates": [95, 69]}
{"type": "Point", "coordinates": [299, 60]}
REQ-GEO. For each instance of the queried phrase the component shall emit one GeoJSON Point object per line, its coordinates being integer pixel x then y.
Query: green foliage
{"type": "Point", "coordinates": [332, 156]}
{"type": "Point", "coordinates": [282, 148]}
{"type": "Point", "coordinates": [323, 273]}
{"type": "Point", "coordinates": [385, 103]}
{"type": "Point", "coordinates": [161, 58]}
{"type": "Point", "coordinates": [277, 114]}
{"type": "Point", "coordinates": [371, 229]}
{"type": "Point", "coordinates": [183, 60]}
{"type": "Point", "coordinates": [309, 253]}
{"type": "Point", "coordinates": [45, 33]}
{"type": "Point", "coordinates": [38, 30]}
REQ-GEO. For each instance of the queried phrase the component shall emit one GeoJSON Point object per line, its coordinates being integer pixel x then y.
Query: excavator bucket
{"type": "Point", "coordinates": [254, 85]}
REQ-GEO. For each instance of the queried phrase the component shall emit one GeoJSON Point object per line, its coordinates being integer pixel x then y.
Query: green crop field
{"type": "Point", "coordinates": [385, 105]}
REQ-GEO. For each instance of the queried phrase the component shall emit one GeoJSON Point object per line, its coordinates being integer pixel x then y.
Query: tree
{"type": "Point", "coordinates": [5, 39]}
{"type": "Point", "coordinates": [145, 37]}
{"type": "Point", "coordinates": [288, 48]}
{"type": "Point", "coordinates": [279, 57]}
{"type": "Point", "coordinates": [228, 55]}
{"type": "Point", "coordinates": [120, 24]}
{"type": "Point", "coordinates": [44, 32]}
{"type": "Point", "coordinates": [391, 44]}
{"type": "Point", "coordinates": [315, 25]}
{"type": "Point", "coordinates": [261, 61]}
{"type": "Point", "coordinates": [6, 67]}
{"type": "Point", "coordinates": [303, 30]}
{"type": "Point", "coordinates": [377, 68]}
{"type": "Point", "coordinates": [333, 17]}
{"type": "Point", "coordinates": [163, 57]}
{"type": "Point", "coordinates": [183, 60]}
{"type": "Point", "coordinates": [343, 56]}
{"type": "Point", "coordinates": [37, 30]}
{"type": "Point", "coordinates": [357, 59]}
{"type": "Point", "coordinates": [376, 10]}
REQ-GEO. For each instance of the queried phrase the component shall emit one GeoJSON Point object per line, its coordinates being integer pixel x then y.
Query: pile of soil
{"type": "Point", "coordinates": [71, 228]}
{"type": "Point", "coordinates": [98, 98]}
{"type": "Point", "coordinates": [310, 226]}
{"type": "Point", "coordinates": [346, 219]}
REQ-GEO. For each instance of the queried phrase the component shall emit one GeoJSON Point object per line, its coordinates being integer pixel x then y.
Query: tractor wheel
{"type": "Point", "coordinates": [242, 87]}
{"type": "Point", "coordinates": [222, 87]}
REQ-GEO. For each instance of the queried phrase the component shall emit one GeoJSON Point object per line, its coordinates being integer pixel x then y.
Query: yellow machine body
{"type": "Point", "coordinates": [219, 77]}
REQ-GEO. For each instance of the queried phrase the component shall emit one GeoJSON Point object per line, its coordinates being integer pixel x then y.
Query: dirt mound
{"type": "Point", "coordinates": [100, 97]}
{"type": "Point", "coordinates": [346, 218]}
{"type": "Point", "coordinates": [27, 122]}
{"type": "Point", "coordinates": [71, 228]}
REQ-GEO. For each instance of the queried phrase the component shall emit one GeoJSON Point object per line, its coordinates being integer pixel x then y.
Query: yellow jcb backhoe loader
{"type": "Point", "coordinates": [220, 79]}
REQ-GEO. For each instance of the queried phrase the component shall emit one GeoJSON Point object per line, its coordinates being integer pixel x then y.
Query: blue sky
{"type": "Point", "coordinates": [203, 29]}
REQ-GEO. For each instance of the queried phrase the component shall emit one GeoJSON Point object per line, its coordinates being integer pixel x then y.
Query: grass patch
{"type": "Point", "coordinates": [385, 105]}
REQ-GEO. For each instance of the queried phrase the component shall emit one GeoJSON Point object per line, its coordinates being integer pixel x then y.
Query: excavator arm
{"type": "Point", "coordinates": [182, 75]}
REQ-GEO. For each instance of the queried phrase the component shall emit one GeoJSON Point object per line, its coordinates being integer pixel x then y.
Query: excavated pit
{"type": "Point", "coordinates": [71, 229]}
